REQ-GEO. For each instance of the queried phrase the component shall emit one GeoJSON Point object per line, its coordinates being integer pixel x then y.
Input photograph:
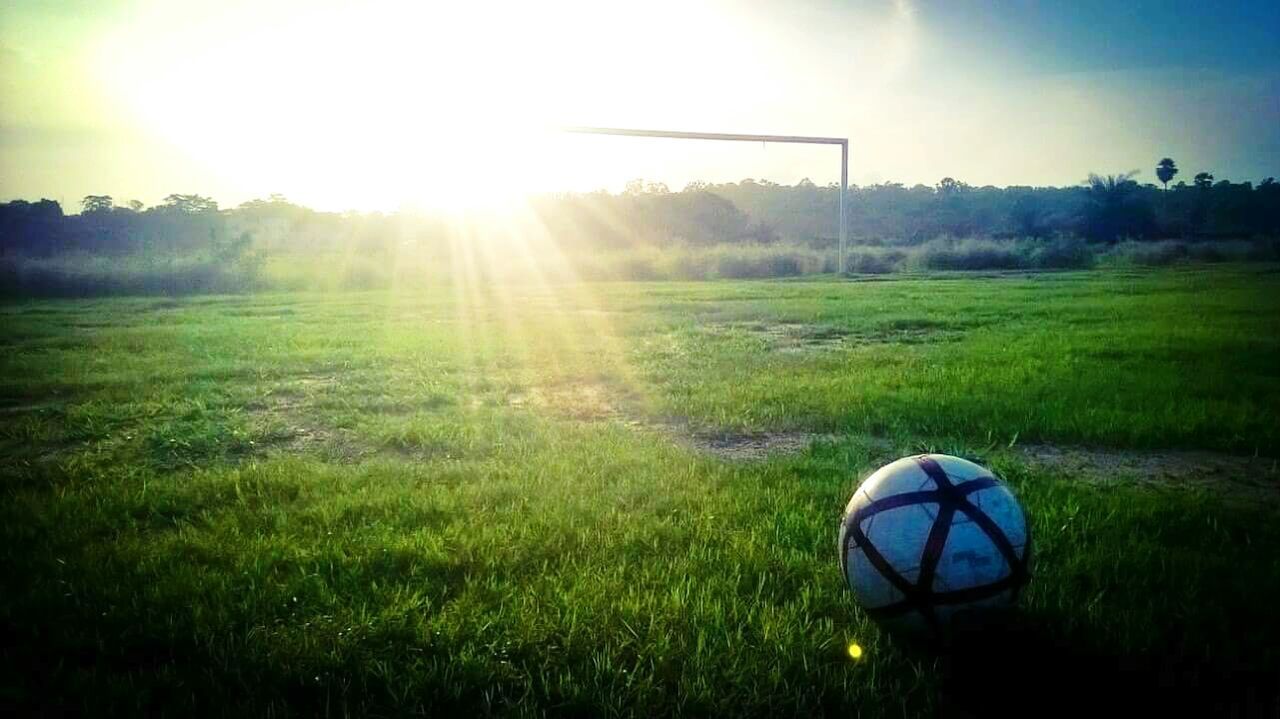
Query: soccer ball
{"type": "Point", "coordinates": [927, 538]}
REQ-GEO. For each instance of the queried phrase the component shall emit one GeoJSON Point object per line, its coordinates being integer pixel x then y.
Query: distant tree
{"type": "Point", "coordinates": [37, 228]}
{"type": "Point", "coordinates": [1106, 208]}
{"type": "Point", "coordinates": [1115, 208]}
{"type": "Point", "coordinates": [190, 204]}
{"type": "Point", "coordinates": [1111, 186]}
{"type": "Point", "coordinates": [96, 203]}
{"type": "Point", "coordinates": [1201, 206]}
{"type": "Point", "coordinates": [1267, 207]}
{"type": "Point", "coordinates": [761, 232]}
{"type": "Point", "coordinates": [1027, 216]}
{"type": "Point", "coordinates": [1165, 171]}
{"type": "Point", "coordinates": [634, 187]}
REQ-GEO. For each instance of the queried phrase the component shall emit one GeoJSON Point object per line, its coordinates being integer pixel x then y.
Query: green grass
{"type": "Point", "coordinates": [463, 499]}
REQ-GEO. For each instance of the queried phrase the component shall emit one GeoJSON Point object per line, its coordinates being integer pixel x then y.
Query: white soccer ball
{"type": "Point", "coordinates": [927, 537]}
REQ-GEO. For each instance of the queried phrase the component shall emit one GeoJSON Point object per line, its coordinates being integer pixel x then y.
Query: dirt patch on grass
{"type": "Point", "coordinates": [745, 447]}
{"type": "Point", "coordinates": [583, 401]}
{"type": "Point", "coordinates": [1193, 469]}
{"type": "Point", "coordinates": [600, 402]}
{"type": "Point", "coordinates": [915, 329]}
{"type": "Point", "coordinates": [263, 312]}
{"type": "Point", "coordinates": [25, 407]}
{"type": "Point", "coordinates": [285, 426]}
{"type": "Point", "coordinates": [759, 446]}
{"type": "Point", "coordinates": [789, 337]}
{"type": "Point", "coordinates": [331, 444]}
{"type": "Point", "coordinates": [801, 337]}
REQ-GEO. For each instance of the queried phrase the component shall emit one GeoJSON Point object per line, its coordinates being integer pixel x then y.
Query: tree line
{"type": "Point", "coordinates": [1105, 208]}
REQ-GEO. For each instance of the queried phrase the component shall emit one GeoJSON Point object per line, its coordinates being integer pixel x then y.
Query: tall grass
{"type": "Point", "coordinates": [980, 254]}
{"type": "Point", "coordinates": [789, 260]}
{"type": "Point", "coordinates": [90, 275]}
{"type": "Point", "coordinates": [85, 275]}
{"type": "Point", "coordinates": [706, 263]}
{"type": "Point", "coordinates": [1168, 252]}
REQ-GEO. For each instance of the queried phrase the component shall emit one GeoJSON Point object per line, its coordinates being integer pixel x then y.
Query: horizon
{"type": "Point", "coordinates": [647, 187]}
{"type": "Point", "coordinates": [388, 107]}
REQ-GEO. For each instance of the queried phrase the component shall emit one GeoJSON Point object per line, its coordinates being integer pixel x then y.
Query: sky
{"type": "Point", "coordinates": [381, 105]}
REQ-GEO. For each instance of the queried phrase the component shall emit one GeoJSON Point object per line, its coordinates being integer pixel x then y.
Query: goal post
{"type": "Point", "coordinates": [843, 142]}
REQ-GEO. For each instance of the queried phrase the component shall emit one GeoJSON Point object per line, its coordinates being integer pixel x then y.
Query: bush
{"type": "Point", "coordinates": [1168, 252]}
{"type": "Point", "coordinates": [752, 265]}
{"type": "Point", "coordinates": [86, 275]}
{"type": "Point", "coordinates": [1149, 254]}
{"type": "Point", "coordinates": [1260, 250]}
{"type": "Point", "coordinates": [238, 270]}
{"type": "Point", "coordinates": [1063, 253]}
{"type": "Point", "coordinates": [946, 254]}
{"type": "Point", "coordinates": [1233, 251]}
{"type": "Point", "coordinates": [874, 260]}
{"type": "Point", "coordinates": [362, 274]}
{"type": "Point", "coordinates": [637, 268]}
{"type": "Point", "coordinates": [737, 262]}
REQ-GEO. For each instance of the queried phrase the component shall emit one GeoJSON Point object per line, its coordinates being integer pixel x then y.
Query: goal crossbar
{"type": "Point", "coordinates": [843, 142]}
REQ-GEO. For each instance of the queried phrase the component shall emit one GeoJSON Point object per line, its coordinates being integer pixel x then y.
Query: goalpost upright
{"type": "Point", "coordinates": [843, 142]}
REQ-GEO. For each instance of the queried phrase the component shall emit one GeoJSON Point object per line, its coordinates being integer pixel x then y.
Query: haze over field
{"type": "Point", "coordinates": [386, 105]}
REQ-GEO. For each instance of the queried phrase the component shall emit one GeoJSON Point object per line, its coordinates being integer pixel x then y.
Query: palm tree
{"type": "Point", "coordinates": [1111, 187]}
{"type": "Point", "coordinates": [1111, 213]}
{"type": "Point", "coordinates": [1165, 171]}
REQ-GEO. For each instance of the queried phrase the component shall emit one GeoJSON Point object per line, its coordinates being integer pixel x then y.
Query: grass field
{"type": "Point", "coordinates": [623, 498]}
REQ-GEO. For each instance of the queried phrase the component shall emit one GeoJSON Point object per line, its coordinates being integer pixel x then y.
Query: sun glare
{"type": "Point", "coordinates": [381, 106]}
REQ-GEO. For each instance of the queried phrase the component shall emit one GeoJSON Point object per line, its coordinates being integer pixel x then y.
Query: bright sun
{"type": "Point", "coordinates": [379, 106]}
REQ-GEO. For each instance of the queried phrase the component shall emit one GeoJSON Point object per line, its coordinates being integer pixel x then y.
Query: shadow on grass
{"type": "Point", "coordinates": [1013, 665]}
{"type": "Point", "coordinates": [62, 657]}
